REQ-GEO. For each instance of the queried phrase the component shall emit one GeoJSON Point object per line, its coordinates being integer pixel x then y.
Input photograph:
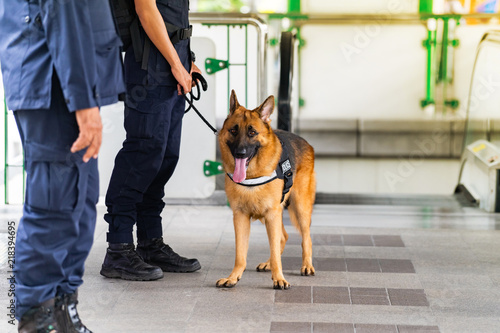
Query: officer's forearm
{"type": "Point", "coordinates": [153, 25]}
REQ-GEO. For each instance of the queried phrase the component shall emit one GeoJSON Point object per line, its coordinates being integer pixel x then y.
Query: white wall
{"type": "Point", "coordinates": [376, 71]}
{"type": "Point", "coordinates": [370, 71]}
{"type": "Point", "coordinates": [386, 176]}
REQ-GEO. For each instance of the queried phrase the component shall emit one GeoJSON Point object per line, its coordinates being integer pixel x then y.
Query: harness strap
{"type": "Point", "coordinates": [256, 181]}
{"type": "Point", "coordinates": [284, 171]}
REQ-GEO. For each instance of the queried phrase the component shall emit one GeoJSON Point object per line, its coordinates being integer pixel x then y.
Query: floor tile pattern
{"type": "Point", "coordinates": [353, 295]}
{"type": "Point", "coordinates": [350, 240]}
{"type": "Point", "coordinates": [379, 268]}
{"type": "Point", "coordinates": [296, 327]}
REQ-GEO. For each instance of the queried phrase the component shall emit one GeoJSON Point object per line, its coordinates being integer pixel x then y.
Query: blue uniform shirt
{"type": "Point", "coordinates": [76, 38]}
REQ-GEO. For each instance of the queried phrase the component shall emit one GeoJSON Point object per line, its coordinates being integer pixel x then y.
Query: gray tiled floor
{"type": "Point", "coordinates": [379, 269]}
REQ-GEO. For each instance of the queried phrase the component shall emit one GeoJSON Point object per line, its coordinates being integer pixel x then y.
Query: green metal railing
{"type": "Point", "coordinates": [213, 66]}
{"type": "Point", "coordinates": [232, 21]}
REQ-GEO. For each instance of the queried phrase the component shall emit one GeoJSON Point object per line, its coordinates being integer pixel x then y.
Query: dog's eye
{"type": "Point", "coordinates": [252, 132]}
{"type": "Point", "coordinates": [233, 131]}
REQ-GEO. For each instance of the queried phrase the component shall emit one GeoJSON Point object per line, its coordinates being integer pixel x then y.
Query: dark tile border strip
{"type": "Point", "coordinates": [353, 265]}
{"type": "Point", "coordinates": [352, 296]}
{"type": "Point", "coordinates": [316, 327]}
{"type": "Point", "coordinates": [351, 240]}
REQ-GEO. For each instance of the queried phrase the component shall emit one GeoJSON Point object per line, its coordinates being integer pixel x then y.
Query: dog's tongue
{"type": "Point", "coordinates": [240, 170]}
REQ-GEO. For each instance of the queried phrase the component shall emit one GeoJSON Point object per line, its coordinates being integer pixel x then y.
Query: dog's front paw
{"type": "Point", "coordinates": [226, 283]}
{"type": "Point", "coordinates": [264, 267]}
{"type": "Point", "coordinates": [307, 270]}
{"type": "Point", "coordinates": [281, 284]}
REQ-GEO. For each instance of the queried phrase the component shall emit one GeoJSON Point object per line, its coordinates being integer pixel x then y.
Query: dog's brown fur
{"type": "Point", "coordinates": [251, 128]}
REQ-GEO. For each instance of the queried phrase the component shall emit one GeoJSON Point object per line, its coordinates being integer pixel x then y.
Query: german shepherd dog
{"type": "Point", "coordinates": [251, 152]}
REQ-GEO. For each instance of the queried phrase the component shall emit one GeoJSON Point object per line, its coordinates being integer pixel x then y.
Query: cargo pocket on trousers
{"type": "Point", "coordinates": [52, 186]}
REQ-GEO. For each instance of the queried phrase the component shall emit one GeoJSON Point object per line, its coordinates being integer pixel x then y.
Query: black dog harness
{"type": "Point", "coordinates": [284, 170]}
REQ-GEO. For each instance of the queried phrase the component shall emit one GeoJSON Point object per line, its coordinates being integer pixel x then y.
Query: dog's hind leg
{"type": "Point", "coordinates": [241, 233]}
{"type": "Point", "coordinates": [266, 266]}
{"type": "Point", "coordinates": [302, 222]}
{"type": "Point", "coordinates": [300, 209]}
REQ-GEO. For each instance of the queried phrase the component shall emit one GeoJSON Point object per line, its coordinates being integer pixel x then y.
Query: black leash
{"type": "Point", "coordinates": [198, 78]}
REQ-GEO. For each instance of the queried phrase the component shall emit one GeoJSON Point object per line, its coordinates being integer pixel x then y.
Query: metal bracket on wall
{"type": "Point", "coordinates": [212, 168]}
{"type": "Point", "coordinates": [213, 65]}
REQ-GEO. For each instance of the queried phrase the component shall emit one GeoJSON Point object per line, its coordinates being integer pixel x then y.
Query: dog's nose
{"type": "Point", "coordinates": [240, 153]}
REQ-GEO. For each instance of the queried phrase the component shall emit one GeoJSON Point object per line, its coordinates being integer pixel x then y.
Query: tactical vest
{"type": "Point", "coordinates": [144, 64]}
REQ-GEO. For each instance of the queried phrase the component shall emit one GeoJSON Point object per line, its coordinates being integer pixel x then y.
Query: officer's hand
{"type": "Point", "coordinates": [183, 78]}
{"type": "Point", "coordinates": [194, 68]}
{"type": "Point", "coordinates": [90, 125]}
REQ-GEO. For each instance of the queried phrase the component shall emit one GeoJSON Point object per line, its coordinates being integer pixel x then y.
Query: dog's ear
{"type": "Point", "coordinates": [233, 102]}
{"type": "Point", "coordinates": [266, 109]}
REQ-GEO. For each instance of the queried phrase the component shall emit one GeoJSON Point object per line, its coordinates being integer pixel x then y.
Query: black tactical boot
{"type": "Point", "coordinates": [39, 319]}
{"type": "Point", "coordinates": [122, 261]}
{"type": "Point", "coordinates": [157, 253]}
{"type": "Point", "coordinates": [67, 316]}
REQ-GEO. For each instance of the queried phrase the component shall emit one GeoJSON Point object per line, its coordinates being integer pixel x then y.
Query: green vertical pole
{"type": "Point", "coordinates": [294, 6]}
{"type": "Point", "coordinates": [444, 61]}
{"type": "Point", "coordinates": [443, 73]}
{"type": "Point", "coordinates": [425, 7]}
{"type": "Point", "coordinates": [430, 44]}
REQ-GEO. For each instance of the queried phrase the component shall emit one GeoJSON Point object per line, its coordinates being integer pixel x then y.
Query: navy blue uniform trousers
{"type": "Point", "coordinates": [56, 231]}
{"type": "Point", "coordinates": [145, 163]}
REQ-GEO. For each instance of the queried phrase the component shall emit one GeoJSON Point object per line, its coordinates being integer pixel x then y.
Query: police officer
{"type": "Point", "coordinates": [155, 74]}
{"type": "Point", "coordinates": [60, 62]}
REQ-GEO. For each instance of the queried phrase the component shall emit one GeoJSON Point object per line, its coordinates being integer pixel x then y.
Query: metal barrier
{"type": "Point", "coordinates": [236, 19]}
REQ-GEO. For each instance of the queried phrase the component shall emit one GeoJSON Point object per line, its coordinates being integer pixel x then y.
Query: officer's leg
{"type": "Point", "coordinates": [88, 184]}
{"type": "Point", "coordinates": [136, 165]}
{"type": "Point", "coordinates": [149, 209]}
{"type": "Point", "coordinates": [149, 227]}
{"type": "Point", "coordinates": [48, 228]}
{"type": "Point", "coordinates": [67, 298]}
